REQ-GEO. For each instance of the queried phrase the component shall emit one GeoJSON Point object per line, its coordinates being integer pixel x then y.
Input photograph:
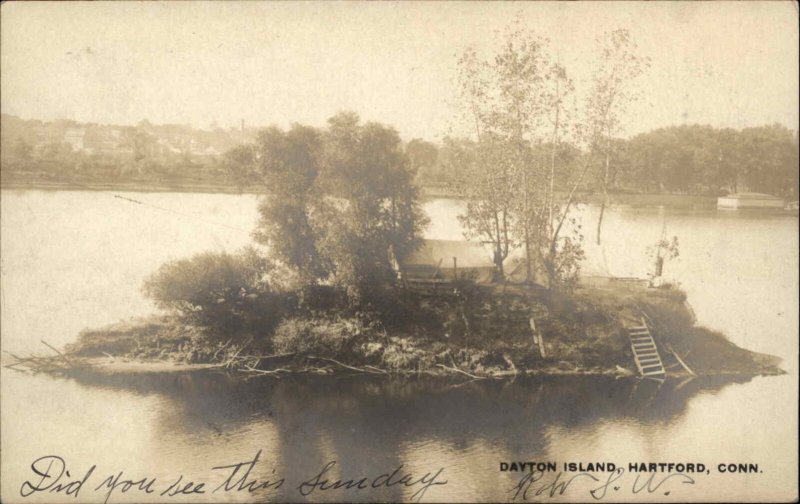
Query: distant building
{"type": "Point", "coordinates": [75, 138]}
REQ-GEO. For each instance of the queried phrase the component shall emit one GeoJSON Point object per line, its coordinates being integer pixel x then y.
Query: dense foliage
{"type": "Point", "coordinates": [232, 294]}
{"type": "Point", "coordinates": [336, 202]}
{"type": "Point", "coordinates": [688, 159]}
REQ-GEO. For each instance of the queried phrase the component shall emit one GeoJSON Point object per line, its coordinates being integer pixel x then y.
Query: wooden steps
{"type": "Point", "coordinates": [645, 352]}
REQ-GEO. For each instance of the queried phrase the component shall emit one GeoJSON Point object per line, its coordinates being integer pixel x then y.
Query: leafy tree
{"type": "Point", "coordinates": [422, 157]}
{"type": "Point", "coordinates": [228, 293]}
{"type": "Point", "coordinates": [370, 204]}
{"type": "Point", "coordinates": [518, 105]}
{"type": "Point", "coordinates": [239, 165]}
{"type": "Point", "coordinates": [337, 201]}
{"type": "Point", "coordinates": [699, 159]}
{"type": "Point", "coordinates": [288, 164]}
{"type": "Point", "coordinates": [617, 65]}
{"type": "Point", "coordinates": [486, 184]}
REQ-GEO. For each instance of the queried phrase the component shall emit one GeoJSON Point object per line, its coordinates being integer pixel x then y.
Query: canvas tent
{"type": "Point", "coordinates": [446, 260]}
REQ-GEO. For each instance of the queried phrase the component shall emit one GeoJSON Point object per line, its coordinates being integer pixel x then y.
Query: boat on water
{"type": "Point", "coordinates": [750, 200]}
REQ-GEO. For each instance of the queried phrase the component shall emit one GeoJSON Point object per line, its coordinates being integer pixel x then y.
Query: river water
{"type": "Point", "coordinates": [72, 260]}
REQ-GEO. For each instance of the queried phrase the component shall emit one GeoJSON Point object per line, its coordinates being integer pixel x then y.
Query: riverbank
{"type": "Point", "coordinates": [37, 184]}
{"type": "Point", "coordinates": [678, 201]}
{"type": "Point", "coordinates": [491, 337]}
{"type": "Point", "coordinates": [681, 201]}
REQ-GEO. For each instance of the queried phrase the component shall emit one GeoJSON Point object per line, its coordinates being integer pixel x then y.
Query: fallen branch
{"type": "Point", "coordinates": [462, 372]}
{"type": "Point", "coordinates": [352, 368]}
{"type": "Point", "coordinates": [383, 371]}
{"type": "Point", "coordinates": [274, 374]}
{"type": "Point", "coordinates": [57, 351]}
{"type": "Point", "coordinates": [675, 354]}
{"type": "Point", "coordinates": [221, 348]}
{"type": "Point", "coordinates": [265, 357]}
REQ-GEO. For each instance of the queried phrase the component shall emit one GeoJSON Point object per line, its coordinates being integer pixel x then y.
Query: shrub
{"type": "Point", "coordinates": [320, 337]}
{"type": "Point", "coordinates": [229, 293]}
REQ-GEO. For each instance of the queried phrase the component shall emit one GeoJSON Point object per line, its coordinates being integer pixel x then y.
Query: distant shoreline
{"type": "Point", "coordinates": [134, 186]}
{"type": "Point", "coordinates": [640, 200]}
{"type": "Point", "coordinates": [428, 192]}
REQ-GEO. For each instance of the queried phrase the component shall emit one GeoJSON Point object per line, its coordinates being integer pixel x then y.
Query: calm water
{"type": "Point", "coordinates": [76, 259]}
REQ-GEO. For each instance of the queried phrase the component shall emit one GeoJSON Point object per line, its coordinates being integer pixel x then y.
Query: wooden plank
{"type": "Point", "coordinates": [648, 357]}
{"type": "Point", "coordinates": [651, 363]}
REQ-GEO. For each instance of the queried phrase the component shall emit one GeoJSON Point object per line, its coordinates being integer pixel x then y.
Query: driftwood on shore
{"type": "Point", "coordinates": [45, 363]}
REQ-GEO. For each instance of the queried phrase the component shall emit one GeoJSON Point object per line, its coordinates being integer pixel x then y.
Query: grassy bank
{"type": "Point", "coordinates": [483, 333]}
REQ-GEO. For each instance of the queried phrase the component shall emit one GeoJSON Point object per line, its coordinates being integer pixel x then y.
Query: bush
{"type": "Point", "coordinates": [232, 294]}
{"type": "Point", "coordinates": [320, 337]}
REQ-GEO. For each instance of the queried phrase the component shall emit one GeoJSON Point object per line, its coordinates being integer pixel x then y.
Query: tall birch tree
{"type": "Point", "coordinates": [611, 95]}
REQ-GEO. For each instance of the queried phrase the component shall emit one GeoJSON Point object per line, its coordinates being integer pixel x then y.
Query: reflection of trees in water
{"type": "Point", "coordinates": [362, 421]}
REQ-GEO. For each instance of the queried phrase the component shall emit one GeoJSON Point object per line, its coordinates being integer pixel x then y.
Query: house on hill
{"type": "Point", "coordinates": [445, 260]}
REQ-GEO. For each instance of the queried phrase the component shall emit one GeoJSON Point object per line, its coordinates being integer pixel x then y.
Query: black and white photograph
{"type": "Point", "coordinates": [408, 252]}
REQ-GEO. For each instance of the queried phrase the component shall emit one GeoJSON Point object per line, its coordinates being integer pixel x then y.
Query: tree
{"type": "Point", "coordinates": [228, 293]}
{"type": "Point", "coordinates": [518, 106]}
{"type": "Point", "coordinates": [371, 206]}
{"type": "Point", "coordinates": [611, 94]}
{"type": "Point", "coordinates": [422, 157]}
{"type": "Point", "coordinates": [337, 201]}
{"type": "Point", "coordinates": [486, 184]}
{"type": "Point", "coordinates": [239, 165]}
{"type": "Point", "coordinates": [288, 165]}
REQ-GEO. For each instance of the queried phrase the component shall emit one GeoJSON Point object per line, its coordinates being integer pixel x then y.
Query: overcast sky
{"type": "Point", "coordinates": [724, 64]}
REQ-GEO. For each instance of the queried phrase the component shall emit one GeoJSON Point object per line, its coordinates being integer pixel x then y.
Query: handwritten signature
{"type": "Point", "coordinates": [535, 484]}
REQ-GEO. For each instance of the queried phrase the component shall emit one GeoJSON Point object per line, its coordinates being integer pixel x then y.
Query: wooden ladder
{"type": "Point", "coordinates": [645, 352]}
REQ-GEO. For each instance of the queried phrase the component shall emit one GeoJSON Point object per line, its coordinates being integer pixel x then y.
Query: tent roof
{"type": "Point", "coordinates": [467, 254]}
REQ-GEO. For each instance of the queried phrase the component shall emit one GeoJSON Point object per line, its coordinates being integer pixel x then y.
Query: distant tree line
{"type": "Point", "coordinates": [687, 159]}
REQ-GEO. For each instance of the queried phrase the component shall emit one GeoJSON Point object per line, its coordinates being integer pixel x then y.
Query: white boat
{"type": "Point", "coordinates": [750, 200]}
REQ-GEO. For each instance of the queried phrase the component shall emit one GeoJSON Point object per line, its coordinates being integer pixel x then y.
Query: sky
{"type": "Point", "coordinates": [718, 63]}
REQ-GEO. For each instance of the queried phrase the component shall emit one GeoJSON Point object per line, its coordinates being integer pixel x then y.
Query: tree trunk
{"type": "Point", "coordinates": [526, 225]}
{"type": "Point", "coordinates": [659, 266]}
{"type": "Point", "coordinates": [605, 192]}
{"type": "Point", "coordinates": [498, 249]}
{"type": "Point", "coordinates": [528, 269]}
{"type": "Point", "coordinates": [498, 262]}
{"type": "Point", "coordinates": [551, 199]}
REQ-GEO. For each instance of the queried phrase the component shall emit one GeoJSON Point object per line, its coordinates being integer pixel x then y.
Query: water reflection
{"type": "Point", "coordinates": [371, 425]}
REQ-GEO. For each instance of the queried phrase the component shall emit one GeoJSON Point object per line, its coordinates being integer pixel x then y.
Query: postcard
{"type": "Point", "coordinates": [399, 252]}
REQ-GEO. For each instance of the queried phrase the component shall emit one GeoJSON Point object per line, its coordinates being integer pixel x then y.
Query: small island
{"type": "Point", "coordinates": [341, 277]}
{"type": "Point", "coordinates": [462, 328]}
